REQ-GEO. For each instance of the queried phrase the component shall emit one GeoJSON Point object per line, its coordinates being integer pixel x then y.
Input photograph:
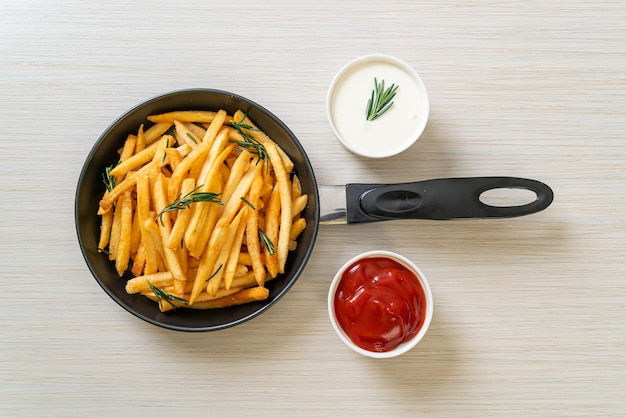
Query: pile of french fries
{"type": "Point", "coordinates": [203, 208]}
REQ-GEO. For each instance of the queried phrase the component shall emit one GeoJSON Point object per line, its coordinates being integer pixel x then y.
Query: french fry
{"type": "Point", "coordinates": [105, 230]}
{"type": "Point", "coordinates": [282, 181]}
{"type": "Point", "coordinates": [299, 204]}
{"type": "Point", "coordinates": [216, 279]}
{"type": "Point", "coordinates": [165, 228]}
{"type": "Point", "coordinates": [252, 230]}
{"type": "Point", "coordinates": [296, 229]}
{"type": "Point", "coordinates": [140, 144]}
{"type": "Point", "coordinates": [272, 223]}
{"type": "Point", "coordinates": [135, 234]}
{"type": "Point", "coordinates": [153, 234]}
{"type": "Point", "coordinates": [128, 149]}
{"type": "Point", "coordinates": [143, 213]}
{"type": "Point", "coordinates": [155, 131]}
{"type": "Point", "coordinates": [253, 294]}
{"type": "Point", "coordinates": [182, 220]}
{"type": "Point", "coordinates": [185, 136]}
{"type": "Point", "coordinates": [232, 265]}
{"type": "Point", "coordinates": [207, 263]}
{"type": "Point", "coordinates": [139, 261]}
{"type": "Point", "coordinates": [126, 223]}
{"type": "Point", "coordinates": [195, 129]}
{"type": "Point", "coordinates": [172, 157]}
{"type": "Point", "coordinates": [140, 284]}
{"type": "Point", "coordinates": [116, 227]}
{"type": "Point", "coordinates": [184, 116]}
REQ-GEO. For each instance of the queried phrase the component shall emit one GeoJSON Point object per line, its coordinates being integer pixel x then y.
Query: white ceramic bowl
{"type": "Point", "coordinates": [404, 346]}
{"type": "Point", "coordinates": [394, 131]}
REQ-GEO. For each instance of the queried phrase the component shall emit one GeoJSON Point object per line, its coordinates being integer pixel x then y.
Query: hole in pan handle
{"type": "Point", "coordinates": [447, 198]}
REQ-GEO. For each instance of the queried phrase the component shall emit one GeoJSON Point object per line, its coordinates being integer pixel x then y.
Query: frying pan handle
{"type": "Point", "coordinates": [448, 198]}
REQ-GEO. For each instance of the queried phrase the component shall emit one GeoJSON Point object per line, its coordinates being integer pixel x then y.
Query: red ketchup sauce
{"type": "Point", "coordinates": [379, 303]}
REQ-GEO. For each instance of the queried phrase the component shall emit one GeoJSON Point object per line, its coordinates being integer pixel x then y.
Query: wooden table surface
{"type": "Point", "coordinates": [530, 312]}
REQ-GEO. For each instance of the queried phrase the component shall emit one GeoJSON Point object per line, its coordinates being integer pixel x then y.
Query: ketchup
{"type": "Point", "coordinates": [379, 303]}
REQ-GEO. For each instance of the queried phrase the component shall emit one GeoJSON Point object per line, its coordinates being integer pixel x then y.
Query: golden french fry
{"type": "Point", "coordinates": [105, 230]}
{"type": "Point", "coordinates": [154, 236]}
{"type": "Point", "coordinates": [282, 181]}
{"type": "Point", "coordinates": [165, 228]}
{"type": "Point", "coordinates": [172, 157]}
{"type": "Point", "coordinates": [126, 223]}
{"type": "Point", "coordinates": [299, 204]}
{"type": "Point", "coordinates": [139, 260]}
{"type": "Point", "coordinates": [140, 144]}
{"type": "Point", "coordinates": [232, 264]}
{"type": "Point", "coordinates": [140, 284]}
{"type": "Point", "coordinates": [244, 259]}
{"type": "Point", "coordinates": [116, 228]}
{"type": "Point", "coordinates": [296, 228]}
{"type": "Point", "coordinates": [272, 223]}
{"type": "Point", "coordinates": [296, 187]}
{"type": "Point", "coordinates": [182, 220]}
{"type": "Point", "coordinates": [216, 279]}
{"type": "Point", "coordinates": [155, 131]}
{"type": "Point", "coordinates": [196, 129]}
{"type": "Point", "coordinates": [252, 294]}
{"type": "Point", "coordinates": [129, 148]}
{"type": "Point", "coordinates": [135, 235]}
{"type": "Point", "coordinates": [143, 218]}
{"type": "Point", "coordinates": [184, 135]}
{"type": "Point", "coordinates": [198, 116]}
{"type": "Point", "coordinates": [252, 230]}
{"type": "Point", "coordinates": [207, 263]}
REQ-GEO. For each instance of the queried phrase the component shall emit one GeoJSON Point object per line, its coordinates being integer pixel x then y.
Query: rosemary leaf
{"type": "Point", "coordinates": [247, 202]}
{"type": "Point", "coordinates": [192, 138]}
{"type": "Point", "coordinates": [213, 275]}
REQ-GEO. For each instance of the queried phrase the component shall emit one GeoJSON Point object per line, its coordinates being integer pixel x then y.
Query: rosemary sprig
{"type": "Point", "coordinates": [267, 242]}
{"type": "Point", "coordinates": [381, 99]}
{"type": "Point", "coordinates": [108, 179]}
{"type": "Point", "coordinates": [191, 197]}
{"type": "Point", "coordinates": [162, 295]}
{"type": "Point", "coordinates": [253, 146]}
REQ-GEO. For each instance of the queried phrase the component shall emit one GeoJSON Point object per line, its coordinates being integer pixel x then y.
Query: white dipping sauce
{"type": "Point", "coordinates": [398, 127]}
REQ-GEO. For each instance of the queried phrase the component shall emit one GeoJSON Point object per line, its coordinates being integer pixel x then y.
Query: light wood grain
{"type": "Point", "coordinates": [530, 312]}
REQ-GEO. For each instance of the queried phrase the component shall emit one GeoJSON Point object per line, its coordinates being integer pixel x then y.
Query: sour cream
{"type": "Point", "coordinates": [394, 131]}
